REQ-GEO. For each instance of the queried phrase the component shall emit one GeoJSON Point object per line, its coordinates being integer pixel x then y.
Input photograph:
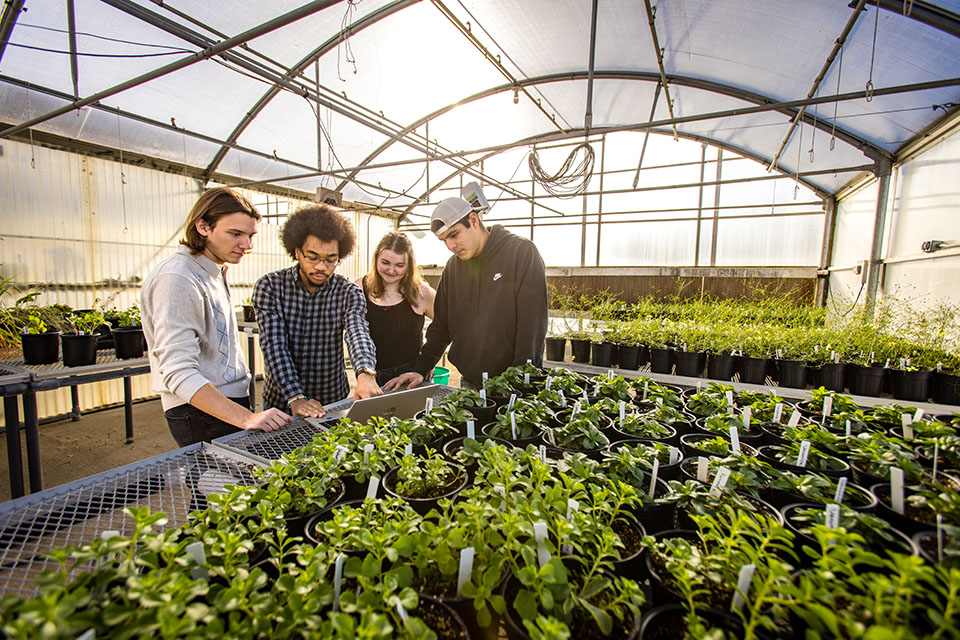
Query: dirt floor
{"type": "Point", "coordinates": [74, 450]}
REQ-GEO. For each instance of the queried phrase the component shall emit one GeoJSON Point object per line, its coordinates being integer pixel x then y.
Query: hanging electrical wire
{"type": "Point", "coordinates": [345, 33]}
{"type": "Point", "coordinates": [572, 179]}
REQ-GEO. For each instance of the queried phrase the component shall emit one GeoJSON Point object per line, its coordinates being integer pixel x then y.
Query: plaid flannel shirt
{"type": "Point", "coordinates": [302, 335]}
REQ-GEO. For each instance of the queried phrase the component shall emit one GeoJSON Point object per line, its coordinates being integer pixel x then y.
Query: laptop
{"type": "Point", "coordinates": [397, 404]}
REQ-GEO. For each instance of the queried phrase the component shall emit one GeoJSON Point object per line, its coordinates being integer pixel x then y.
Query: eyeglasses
{"type": "Point", "coordinates": [315, 259]}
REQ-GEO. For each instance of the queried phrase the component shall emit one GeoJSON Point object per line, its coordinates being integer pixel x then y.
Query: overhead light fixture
{"type": "Point", "coordinates": [516, 96]}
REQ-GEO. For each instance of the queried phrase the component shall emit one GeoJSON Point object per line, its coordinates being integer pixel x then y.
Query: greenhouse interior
{"type": "Point", "coordinates": [618, 319]}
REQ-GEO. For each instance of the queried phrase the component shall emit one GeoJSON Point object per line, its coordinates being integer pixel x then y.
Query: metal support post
{"type": "Point", "coordinates": [74, 403]}
{"type": "Point", "coordinates": [128, 408]}
{"type": "Point", "coordinates": [32, 423]}
{"type": "Point", "coordinates": [883, 170]}
{"type": "Point", "coordinates": [14, 458]}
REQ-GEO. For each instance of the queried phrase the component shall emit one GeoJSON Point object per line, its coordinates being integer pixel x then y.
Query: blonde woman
{"type": "Point", "coordinates": [398, 299]}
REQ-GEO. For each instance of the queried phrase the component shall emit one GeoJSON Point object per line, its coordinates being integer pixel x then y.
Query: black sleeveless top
{"type": "Point", "coordinates": [397, 331]}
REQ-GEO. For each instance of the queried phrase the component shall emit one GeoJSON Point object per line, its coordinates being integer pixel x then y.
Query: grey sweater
{"type": "Point", "coordinates": [191, 330]}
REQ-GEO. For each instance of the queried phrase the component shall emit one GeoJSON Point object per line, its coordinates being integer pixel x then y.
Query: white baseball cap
{"type": "Point", "coordinates": [448, 213]}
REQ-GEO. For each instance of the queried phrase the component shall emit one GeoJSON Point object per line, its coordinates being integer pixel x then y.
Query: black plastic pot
{"type": "Point", "coordinates": [602, 354]}
{"type": "Point", "coordinates": [689, 448]}
{"type": "Point", "coordinates": [661, 360]}
{"type": "Point", "coordinates": [753, 370]}
{"type": "Point", "coordinates": [580, 350]}
{"type": "Point", "coordinates": [832, 375]}
{"type": "Point", "coordinates": [667, 622]}
{"type": "Point", "coordinates": [40, 348]}
{"type": "Point", "coordinates": [666, 471]}
{"type": "Point", "coordinates": [632, 356]}
{"type": "Point", "coordinates": [78, 350]}
{"type": "Point", "coordinates": [296, 524]}
{"type": "Point", "coordinates": [424, 505]}
{"type": "Point", "coordinates": [866, 381]}
{"type": "Point", "coordinates": [901, 521]}
{"type": "Point", "coordinates": [721, 366]}
{"type": "Point", "coordinates": [690, 363]}
{"type": "Point", "coordinates": [792, 373]}
{"type": "Point", "coordinates": [660, 594]}
{"type": "Point", "coordinates": [926, 542]}
{"type": "Point", "coordinates": [128, 342]}
{"type": "Point", "coordinates": [483, 415]}
{"type": "Point", "coordinates": [946, 388]}
{"type": "Point", "coordinates": [910, 385]}
{"type": "Point", "coordinates": [555, 349]}
{"type": "Point", "coordinates": [451, 447]}
{"type": "Point", "coordinates": [249, 313]}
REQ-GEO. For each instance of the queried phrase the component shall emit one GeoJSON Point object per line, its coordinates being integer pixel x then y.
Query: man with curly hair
{"type": "Point", "coordinates": [306, 311]}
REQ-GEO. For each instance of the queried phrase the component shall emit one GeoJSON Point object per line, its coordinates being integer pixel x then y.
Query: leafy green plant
{"type": "Point", "coordinates": [425, 476]}
{"type": "Point", "coordinates": [87, 323]}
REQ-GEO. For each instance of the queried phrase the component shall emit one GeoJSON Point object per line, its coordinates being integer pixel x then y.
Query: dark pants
{"type": "Point", "coordinates": [386, 375]}
{"type": "Point", "coordinates": [189, 425]}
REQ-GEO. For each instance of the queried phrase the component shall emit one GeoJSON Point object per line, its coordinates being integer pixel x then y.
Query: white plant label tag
{"type": "Point", "coordinates": [847, 429]}
{"type": "Point", "coordinates": [483, 395]}
{"type": "Point", "coordinates": [907, 421]}
{"type": "Point", "coordinates": [471, 430]}
{"type": "Point", "coordinates": [367, 450]}
{"type": "Point", "coordinates": [89, 634]}
{"type": "Point", "coordinates": [719, 482]}
{"type": "Point", "coordinates": [466, 569]}
{"type": "Point", "coordinates": [563, 400]}
{"type": "Point", "coordinates": [804, 452]}
{"type": "Point", "coordinates": [794, 419]}
{"type": "Point", "coordinates": [699, 385]}
{"type": "Point", "coordinates": [674, 455]}
{"type": "Point", "coordinates": [543, 453]}
{"type": "Point", "coordinates": [500, 490]}
{"type": "Point", "coordinates": [339, 452]}
{"type": "Point", "coordinates": [832, 516]}
{"type": "Point", "coordinates": [529, 361]}
{"type": "Point", "coordinates": [428, 405]}
{"type": "Point", "coordinates": [548, 383]}
{"type": "Point", "coordinates": [540, 535]}
{"type": "Point", "coordinates": [484, 376]}
{"type": "Point", "coordinates": [408, 449]}
{"type": "Point", "coordinates": [337, 581]}
{"type": "Point", "coordinates": [550, 436]}
{"type": "Point", "coordinates": [586, 398]}
{"type": "Point", "coordinates": [729, 396]}
{"type": "Point", "coordinates": [576, 408]}
{"type": "Point", "coordinates": [373, 486]}
{"type": "Point", "coordinates": [572, 507]}
{"type": "Point", "coordinates": [609, 374]}
{"type": "Point", "coordinates": [646, 389]}
{"type": "Point", "coordinates": [596, 389]}
{"type": "Point", "coordinates": [778, 412]}
{"type": "Point", "coordinates": [936, 459]}
{"type": "Point", "coordinates": [827, 406]}
{"type": "Point", "coordinates": [513, 425]}
{"type": "Point", "coordinates": [526, 379]}
{"type": "Point", "coordinates": [659, 401]}
{"type": "Point", "coordinates": [702, 469]}
{"type": "Point", "coordinates": [918, 416]}
{"type": "Point", "coordinates": [841, 489]}
{"type": "Point", "coordinates": [896, 489]}
{"type": "Point", "coordinates": [197, 552]}
{"type": "Point", "coordinates": [623, 412]}
{"type": "Point", "coordinates": [513, 400]}
{"type": "Point", "coordinates": [735, 439]}
{"type": "Point", "coordinates": [106, 535]}
{"type": "Point", "coordinates": [401, 611]}
{"type": "Point", "coordinates": [653, 477]}
{"type": "Point", "coordinates": [746, 416]}
{"type": "Point", "coordinates": [743, 587]}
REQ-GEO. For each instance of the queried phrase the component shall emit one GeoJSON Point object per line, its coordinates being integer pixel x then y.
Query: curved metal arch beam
{"type": "Point", "coordinates": [762, 160]}
{"type": "Point", "coordinates": [296, 70]}
{"type": "Point", "coordinates": [868, 149]}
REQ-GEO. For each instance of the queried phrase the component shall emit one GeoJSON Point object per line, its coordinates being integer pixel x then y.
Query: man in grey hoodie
{"type": "Point", "coordinates": [191, 331]}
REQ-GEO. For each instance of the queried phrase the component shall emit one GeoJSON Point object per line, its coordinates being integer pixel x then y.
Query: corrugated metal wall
{"type": "Point", "coordinates": [90, 230]}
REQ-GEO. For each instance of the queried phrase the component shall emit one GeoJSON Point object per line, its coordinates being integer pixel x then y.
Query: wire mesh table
{"type": "Point", "coordinates": [175, 483]}
{"type": "Point", "coordinates": [46, 377]}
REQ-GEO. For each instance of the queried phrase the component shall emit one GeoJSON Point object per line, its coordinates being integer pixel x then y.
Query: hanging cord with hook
{"type": "Point", "coordinates": [345, 39]}
{"type": "Point", "coordinates": [570, 180]}
{"type": "Point", "coordinates": [796, 177]}
{"type": "Point", "coordinates": [833, 129]}
{"type": "Point", "coordinates": [123, 178]}
{"type": "Point", "coordinates": [813, 134]}
{"type": "Point", "coordinates": [33, 158]}
{"type": "Point", "coordinates": [907, 7]}
{"type": "Point", "coordinates": [873, 52]}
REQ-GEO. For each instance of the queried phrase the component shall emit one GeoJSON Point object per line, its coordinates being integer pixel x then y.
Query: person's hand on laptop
{"type": "Point", "coordinates": [367, 387]}
{"type": "Point", "coordinates": [308, 408]}
{"type": "Point", "coordinates": [410, 379]}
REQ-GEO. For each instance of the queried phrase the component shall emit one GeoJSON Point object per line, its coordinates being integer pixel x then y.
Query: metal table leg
{"type": "Point", "coordinates": [14, 458]}
{"type": "Point", "coordinates": [75, 403]}
{"type": "Point", "coordinates": [128, 408]}
{"type": "Point", "coordinates": [32, 423]}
